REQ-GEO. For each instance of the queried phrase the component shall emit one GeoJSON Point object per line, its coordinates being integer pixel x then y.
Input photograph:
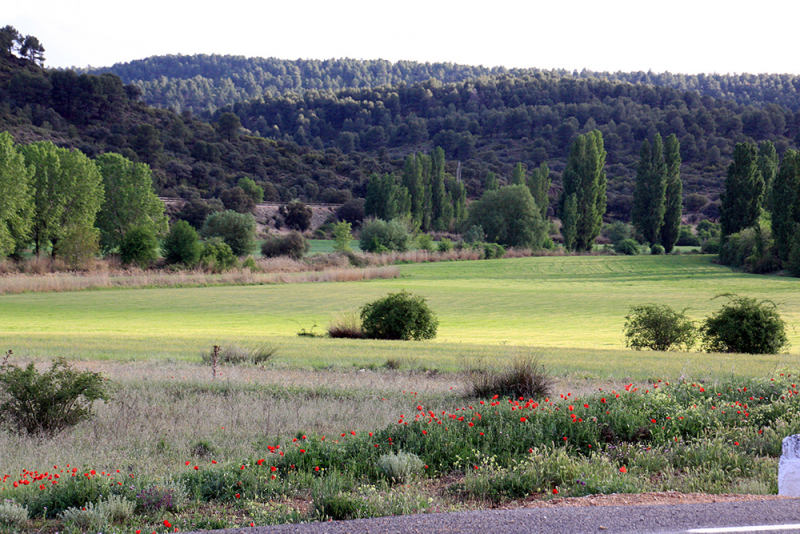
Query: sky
{"type": "Point", "coordinates": [679, 36]}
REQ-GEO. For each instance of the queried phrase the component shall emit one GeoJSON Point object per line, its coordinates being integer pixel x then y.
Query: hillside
{"type": "Point", "coordinates": [205, 83]}
{"type": "Point", "coordinates": [98, 114]}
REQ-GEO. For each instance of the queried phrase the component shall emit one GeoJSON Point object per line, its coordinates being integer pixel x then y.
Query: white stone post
{"type": "Point", "coordinates": [789, 467]}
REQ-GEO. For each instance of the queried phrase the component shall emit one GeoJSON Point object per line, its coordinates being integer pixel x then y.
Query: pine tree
{"type": "Point", "coordinates": [673, 201]}
{"type": "Point", "coordinates": [585, 178]}
{"type": "Point", "coordinates": [744, 191]}
{"type": "Point", "coordinates": [539, 184]}
{"type": "Point", "coordinates": [786, 203]}
{"type": "Point", "coordinates": [651, 185]}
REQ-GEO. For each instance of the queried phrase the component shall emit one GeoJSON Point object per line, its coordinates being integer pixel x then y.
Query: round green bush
{"type": "Point", "coordinates": [140, 247]}
{"type": "Point", "coordinates": [399, 316]}
{"type": "Point", "coordinates": [746, 326]}
{"type": "Point", "coordinates": [293, 245]}
{"type": "Point", "coordinates": [658, 327]}
{"type": "Point", "coordinates": [657, 250]}
{"type": "Point", "coordinates": [629, 247]}
{"type": "Point", "coordinates": [182, 244]}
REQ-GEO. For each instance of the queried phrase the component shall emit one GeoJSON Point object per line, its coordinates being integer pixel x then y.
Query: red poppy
{"type": "Point", "coordinates": [623, 469]}
{"type": "Point", "coordinates": [555, 491]}
{"type": "Point", "coordinates": [167, 524]}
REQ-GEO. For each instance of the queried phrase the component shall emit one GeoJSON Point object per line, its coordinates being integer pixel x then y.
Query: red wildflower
{"type": "Point", "coordinates": [623, 469]}
{"type": "Point", "coordinates": [168, 524]}
{"type": "Point", "coordinates": [555, 491]}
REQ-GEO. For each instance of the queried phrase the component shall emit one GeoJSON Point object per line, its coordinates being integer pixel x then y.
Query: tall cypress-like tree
{"type": "Point", "coordinates": [651, 186]}
{"type": "Point", "coordinates": [585, 178]}
{"type": "Point", "coordinates": [491, 183]}
{"type": "Point", "coordinates": [786, 203]}
{"type": "Point", "coordinates": [385, 198]}
{"type": "Point", "coordinates": [767, 163]}
{"type": "Point", "coordinates": [744, 191]}
{"type": "Point", "coordinates": [438, 193]}
{"type": "Point", "coordinates": [673, 201]}
{"type": "Point", "coordinates": [539, 184]}
{"type": "Point", "coordinates": [412, 181]}
{"type": "Point", "coordinates": [518, 175]}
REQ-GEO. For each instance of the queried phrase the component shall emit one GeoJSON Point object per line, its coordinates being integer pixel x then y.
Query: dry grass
{"type": "Point", "coordinates": [135, 278]}
{"type": "Point", "coordinates": [161, 411]}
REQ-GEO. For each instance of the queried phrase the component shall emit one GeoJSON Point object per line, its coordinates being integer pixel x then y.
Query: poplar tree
{"type": "Point", "coordinates": [15, 196]}
{"type": "Point", "coordinates": [786, 203]}
{"type": "Point", "coordinates": [67, 194]}
{"type": "Point", "coordinates": [585, 178]}
{"type": "Point", "coordinates": [491, 183]}
{"type": "Point", "coordinates": [673, 199]}
{"type": "Point", "coordinates": [439, 219]}
{"type": "Point", "coordinates": [130, 201]}
{"type": "Point", "coordinates": [744, 191]}
{"type": "Point", "coordinates": [767, 163]}
{"type": "Point", "coordinates": [651, 185]}
{"type": "Point", "coordinates": [412, 181]}
{"type": "Point", "coordinates": [518, 175]}
{"type": "Point", "coordinates": [539, 184]}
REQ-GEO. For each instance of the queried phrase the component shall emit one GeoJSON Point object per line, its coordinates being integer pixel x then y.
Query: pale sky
{"type": "Point", "coordinates": [679, 36]}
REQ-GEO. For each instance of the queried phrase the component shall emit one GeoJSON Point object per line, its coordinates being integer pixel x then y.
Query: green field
{"type": "Point", "coordinates": [552, 303]}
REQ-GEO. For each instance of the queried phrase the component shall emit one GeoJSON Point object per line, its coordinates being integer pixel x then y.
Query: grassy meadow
{"type": "Point", "coordinates": [337, 408]}
{"type": "Point", "coordinates": [570, 308]}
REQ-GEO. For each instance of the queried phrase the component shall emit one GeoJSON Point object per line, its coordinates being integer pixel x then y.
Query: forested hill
{"type": "Point", "coordinates": [100, 114]}
{"type": "Point", "coordinates": [204, 83]}
{"type": "Point", "coordinates": [495, 122]}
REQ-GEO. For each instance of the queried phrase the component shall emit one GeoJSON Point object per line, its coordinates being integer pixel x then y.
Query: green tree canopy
{"type": "Point", "coordinates": [386, 199]}
{"type": "Point", "coordinates": [744, 191]}
{"type": "Point", "coordinates": [68, 193]}
{"type": "Point", "coordinates": [237, 230]}
{"type": "Point", "coordinates": [786, 203]}
{"type": "Point", "coordinates": [130, 200]}
{"type": "Point", "coordinates": [673, 202]}
{"type": "Point", "coordinates": [15, 196]}
{"type": "Point", "coordinates": [651, 185]}
{"type": "Point", "coordinates": [584, 176]}
{"type": "Point", "coordinates": [509, 216]}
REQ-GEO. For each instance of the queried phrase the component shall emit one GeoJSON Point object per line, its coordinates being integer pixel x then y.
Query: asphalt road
{"type": "Point", "coordinates": [782, 516]}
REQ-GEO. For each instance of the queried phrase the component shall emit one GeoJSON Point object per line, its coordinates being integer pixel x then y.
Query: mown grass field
{"type": "Point", "coordinates": [571, 309]}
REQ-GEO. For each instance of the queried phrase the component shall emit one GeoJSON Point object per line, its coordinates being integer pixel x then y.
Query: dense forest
{"type": "Point", "coordinates": [98, 114]}
{"type": "Point", "coordinates": [301, 139]}
{"type": "Point", "coordinates": [205, 83]}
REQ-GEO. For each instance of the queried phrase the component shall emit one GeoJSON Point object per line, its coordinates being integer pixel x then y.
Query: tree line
{"type": "Point", "coordinates": [59, 201]}
{"type": "Point", "coordinates": [204, 83]}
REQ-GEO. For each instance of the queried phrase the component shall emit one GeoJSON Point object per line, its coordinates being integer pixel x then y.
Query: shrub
{"type": "Point", "coordinates": [233, 354]}
{"type": "Point", "coordinates": [687, 238]}
{"type": "Point", "coordinates": [217, 256]}
{"type": "Point", "coordinates": [238, 230]}
{"type": "Point", "coordinates": [79, 246]}
{"type": "Point", "coordinates": [89, 518]}
{"type": "Point", "coordinates": [12, 515]}
{"type": "Point", "coordinates": [445, 245]}
{"type": "Point", "coordinates": [296, 215]}
{"type": "Point", "coordinates": [710, 246]}
{"type": "Point", "coordinates": [197, 210]}
{"type": "Point", "coordinates": [237, 200]}
{"type": "Point", "coordinates": [618, 231]}
{"type": "Point", "coordinates": [293, 245]}
{"type": "Point", "coordinates": [629, 247]}
{"type": "Point", "coordinates": [523, 376]}
{"type": "Point", "coordinates": [474, 234]}
{"type": "Point", "coordinates": [425, 242]}
{"type": "Point", "coordinates": [380, 236]}
{"type": "Point", "coordinates": [400, 467]}
{"type": "Point", "coordinates": [745, 325]}
{"type": "Point", "coordinates": [47, 403]}
{"type": "Point", "coordinates": [352, 211]}
{"type": "Point", "coordinates": [182, 244]}
{"type": "Point", "coordinates": [251, 189]}
{"type": "Point", "coordinates": [658, 327]}
{"type": "Point", "coordinates": [656, 250]}
{"type": "Point", "coordinates": [170, 496]}
{"type": "Point", "coordinates": [139, 246]}
{"type": "Point", "coordinates": [399, 316]}
{"type": "Point", "coordinates": [348, 325]}
{"type": "Point", "coordinates": [342, 236]}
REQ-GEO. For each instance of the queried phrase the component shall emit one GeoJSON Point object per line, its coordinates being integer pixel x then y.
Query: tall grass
{"type": "Point", "coordinates": [285, 273]}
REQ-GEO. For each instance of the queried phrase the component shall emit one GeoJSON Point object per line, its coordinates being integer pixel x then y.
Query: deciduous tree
{"type": "Point", "coordinates": [673, 203]}
{"type": "Point", "coordinates": [15, 196]}
{"type": "Point", "coordinates": [651, 184]}
{"type": "Point", "coordinates": [744, 191]}
{"type": "Point", "coordinates": [585, 177]}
